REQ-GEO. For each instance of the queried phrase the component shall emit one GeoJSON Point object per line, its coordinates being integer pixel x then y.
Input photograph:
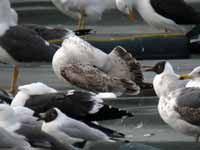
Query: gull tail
{"type": "Point", "coordinates": [128, 66]}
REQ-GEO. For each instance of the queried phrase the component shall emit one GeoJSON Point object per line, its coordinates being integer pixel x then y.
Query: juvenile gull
{"type": "Point", "coordinates": [79, 63]}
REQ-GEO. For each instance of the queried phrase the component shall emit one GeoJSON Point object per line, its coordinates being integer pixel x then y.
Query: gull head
{"type": "Point", "coordinates": [49, 115]}
{"type": "Point", "coordinates": [194, 75]}
{"type": "Point", "coordinates": [161, 67]}
{"type": "Point", "coordinates": [126, 7]}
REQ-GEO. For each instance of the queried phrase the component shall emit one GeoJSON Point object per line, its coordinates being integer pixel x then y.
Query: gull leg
{"type": "Point", "coordinates": [81, 21]}
{"type": "Point", "coordinates": [13, 86]}
{"type": "Point", "coordinates": [197, 138]}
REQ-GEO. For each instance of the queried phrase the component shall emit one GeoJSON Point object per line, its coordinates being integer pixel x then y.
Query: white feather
{"type": "Point", "coordinates": [75, 50]}
{"type": "Point", "coordinates": [8, 119]}
{"type": "Point", "coordinates": [106, 95]}
{"type": "Point", "coordinates": [26, 91]}
{"type": "Point", "coordinates": [167, 81]}
{"type": "Point", "coordinates": [98, 104]}
{"type": "Point", "coordinates": [37, 88]}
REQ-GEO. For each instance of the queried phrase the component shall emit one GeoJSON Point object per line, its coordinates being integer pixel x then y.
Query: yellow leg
{"type": "Point", "coordinates": [81, 21]}
{"type": "Point", "coordinates": [13, 86]}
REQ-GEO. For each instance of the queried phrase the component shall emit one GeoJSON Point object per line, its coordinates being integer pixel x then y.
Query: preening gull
{"type": "Point", "coordinates": [163, 14]}
{"type": "Point", "coordinates": [85, 66]}
{"type": "Point", "coordinates": [82, 9]}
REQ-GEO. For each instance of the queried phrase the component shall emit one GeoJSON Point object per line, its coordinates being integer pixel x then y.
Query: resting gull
{"type": "Point", "coordinates": [58, 124]}
{"type": "Point", "coordinates": [19, 121]}
{"type": "Point", "coordinates": [77, 104]}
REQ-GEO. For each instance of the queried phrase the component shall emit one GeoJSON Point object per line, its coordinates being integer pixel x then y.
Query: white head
{"type": "Point", "coordinates": [194, 75]}
{"type": "Point", "coordinates": [162, 67]}
{"type": "Point", "coordinates": [7, 14]}
{"type": "Point", "coordinates": [126, 6]}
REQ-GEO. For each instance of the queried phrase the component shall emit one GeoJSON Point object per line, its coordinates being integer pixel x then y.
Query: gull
{"type": "Point", "coordinates": [81, 64]}
{"type": "Point", "coordinates": [180, 110]}
{"type": "Point", "coordinates": [166, 80]}
{"type": "Point", "coordinates": [163, 14]}
{"type": "Point", "coordinates": [22, 44]}
{"type": "Point", "coordinates": [58, 125]}
{"type": "Point", "coordinates": [82, 9]}
{"type": "Point", "coordinates": [11, 141]}
{"type": "Point", "coordinates": [178, 105]}
{"type": "Point", "coordinates": [77, 104]}
{"type": "Point", "coordinates": [20, 121]}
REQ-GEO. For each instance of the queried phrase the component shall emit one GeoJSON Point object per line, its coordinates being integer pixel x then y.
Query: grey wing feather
{"type": "Point", "coordinates": [9, 140]}
{"type": "Point", "coordinates": [188, 104]}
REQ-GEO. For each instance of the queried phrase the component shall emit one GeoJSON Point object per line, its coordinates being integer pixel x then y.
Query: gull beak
{"type": "Point", "coordinates": [131, 15]}
{"type": "Point", "coordinates": [185, 77]}
{"type": "Point", "coordinates": [148, 68]}
{"type": "Point", "coordinates": [41, 116]}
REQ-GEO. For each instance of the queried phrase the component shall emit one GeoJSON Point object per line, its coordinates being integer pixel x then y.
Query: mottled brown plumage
{"type": "Point", "coordinates": [191, 115]}
{"type": "Point", "coordinates": [91, 78]}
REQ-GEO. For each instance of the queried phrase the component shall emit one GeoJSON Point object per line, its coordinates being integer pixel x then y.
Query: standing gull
{"type": "Point", "coordinates": [163, 14]}
{"type": "Point", "coordinates": [25, 43]}
{"type": "Point", "coordinates": [19, 44]}
{"type": "Point", "coordinates": [178, 106]}
{"type": "Point", "coordinates": [82, 9]}
{"type": "Point", "coordinates": [79, 63]}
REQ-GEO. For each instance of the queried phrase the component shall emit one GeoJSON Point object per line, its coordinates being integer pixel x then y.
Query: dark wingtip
{"type": "Point", "coordinates": [81, 32]}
